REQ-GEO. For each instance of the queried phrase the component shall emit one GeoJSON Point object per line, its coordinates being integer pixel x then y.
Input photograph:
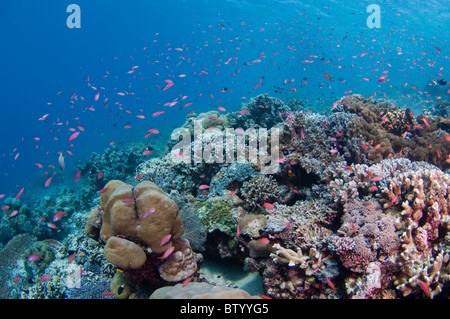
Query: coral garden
{"type": "Point", "coordinates": [358, 208]}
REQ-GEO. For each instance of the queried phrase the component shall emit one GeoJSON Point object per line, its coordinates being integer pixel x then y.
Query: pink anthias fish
{"type": "Point", "coordinates": [48, 181]}
{"type": "Point", "coordinates": [45, 278]}
{"type": "Point", "coordinates": [34, 257]}
{"type": "Point", "coordinates": [13, 213]}
{"type": "Point", "coordinates": [148, 212]}
{"type": "Point", "coordinates": [165, 240]}
{"type": "Point", "coordinates": [158, 113]}
{"type": "Point", "coordinates": [77, 176]}
{"type": "Point", "coordinates": [73, 136]}
{"type": "Point", "coordinates": [20, 193]}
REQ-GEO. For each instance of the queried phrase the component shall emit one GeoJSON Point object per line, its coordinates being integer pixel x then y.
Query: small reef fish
{"type": "Point", "coordinates": [45, 278]}
{"type": "Point", "coordinates": [165, 240]}
{"type": "Point", "coordinates": [34, 257]}
{"type": "Point", "coordinates": [13, 213]}
{"type": "Point", "coordinates": [103, 190]}
{"type": "Point", "coordinates": [20, 193]}
{"type": "Point", "coordinates": [71, 258]}
{"type": "Point", "coordinates": [328, 77]}
{"type": "Point", "coordinates": [73, 136]}
{"type": "Point", "coordinates": [203, 186]}
{"type": "Point", "coordinates": [268, 206]}
{"type": "Point", "coordinates": [158, 113]}
{"type": "Point", "coordinates": [48, 181]}
{"type": "Point", "coordinates": [107, 293]}
{"type": "Point", "coordinates": [58, 216]}
{"type": "Point", "coordinates": [186, 281]}
{"type": "Point", "coordinates": [51, 225]}
{"type": "Point", "coordinates": [128, 200]}
{"type": "Point", "coordinates": [424, 287]}
{"type": "Point", "coordinates": [61, 163]}
{"type": "Point", "coordinates": [148, 212]}
{"type": "Point", "coordinates": [77, 176]}
{"type": "Point", "coordinates": [168, 252]}
{"type": "Point", "coordinates": [330, 283]}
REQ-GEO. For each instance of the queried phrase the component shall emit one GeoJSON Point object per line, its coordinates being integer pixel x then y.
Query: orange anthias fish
{"type": "Point", "coordinates": [328, 77]}
{"type": "Point", "coordinates": [58, 216]}
{"type": "Point", "coordinates": [168, 252]}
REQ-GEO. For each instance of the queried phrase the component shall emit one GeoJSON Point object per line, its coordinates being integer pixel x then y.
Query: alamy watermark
{"type": "Point", "coordinates": [228, 146]}
{"type": "Point", "coordinates": [74, 19]}
{"type": "Point", "coordinates": [374, 20]}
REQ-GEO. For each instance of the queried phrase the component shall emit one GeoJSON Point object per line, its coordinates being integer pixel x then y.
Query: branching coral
{"type": "Point", "coordinates": [259, 190]}
{"type": "Point", "coordinates": [415, 199]}
{"type": "Point", "coordinates": [423, 224]}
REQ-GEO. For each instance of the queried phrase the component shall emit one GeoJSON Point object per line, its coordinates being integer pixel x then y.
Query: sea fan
{"type": "Point", "coordinates": [194, 231]}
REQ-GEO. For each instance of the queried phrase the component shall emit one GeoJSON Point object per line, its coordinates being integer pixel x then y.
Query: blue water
{"type": "Point", "coordinates": [43, 63]}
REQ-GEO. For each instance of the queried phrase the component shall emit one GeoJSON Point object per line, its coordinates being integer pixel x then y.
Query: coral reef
{"type": "Point", "coordinates": [387, 130]}
{"type": "Point", "coordinates": [358, 209]}
{"type": "Point", "coordinates": [262, 111]}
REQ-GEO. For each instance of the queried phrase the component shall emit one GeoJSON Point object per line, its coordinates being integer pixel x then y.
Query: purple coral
{"type": "Point", "coordinates": [365, 235]}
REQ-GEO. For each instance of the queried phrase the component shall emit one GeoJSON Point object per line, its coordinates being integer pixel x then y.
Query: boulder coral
{"type": "Point", "coordinates": [125, 209]}
{"type": "Point", "coordinates": [142, 228]}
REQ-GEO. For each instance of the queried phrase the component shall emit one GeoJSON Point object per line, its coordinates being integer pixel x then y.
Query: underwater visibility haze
{"type": "Point", "coordinates": [224, 149]}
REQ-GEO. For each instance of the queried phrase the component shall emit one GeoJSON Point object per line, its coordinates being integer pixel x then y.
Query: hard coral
{"type": "Point", "coordinates": [139, 224]}
{"type": "Point", "coordinates": [386, 130]}
{"type": "Point", "coordinates": [200, 290]}
{"type": "Point", "coordinates": [124, 209]}
{"type": "Point", "coordinates": [259, 190]}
